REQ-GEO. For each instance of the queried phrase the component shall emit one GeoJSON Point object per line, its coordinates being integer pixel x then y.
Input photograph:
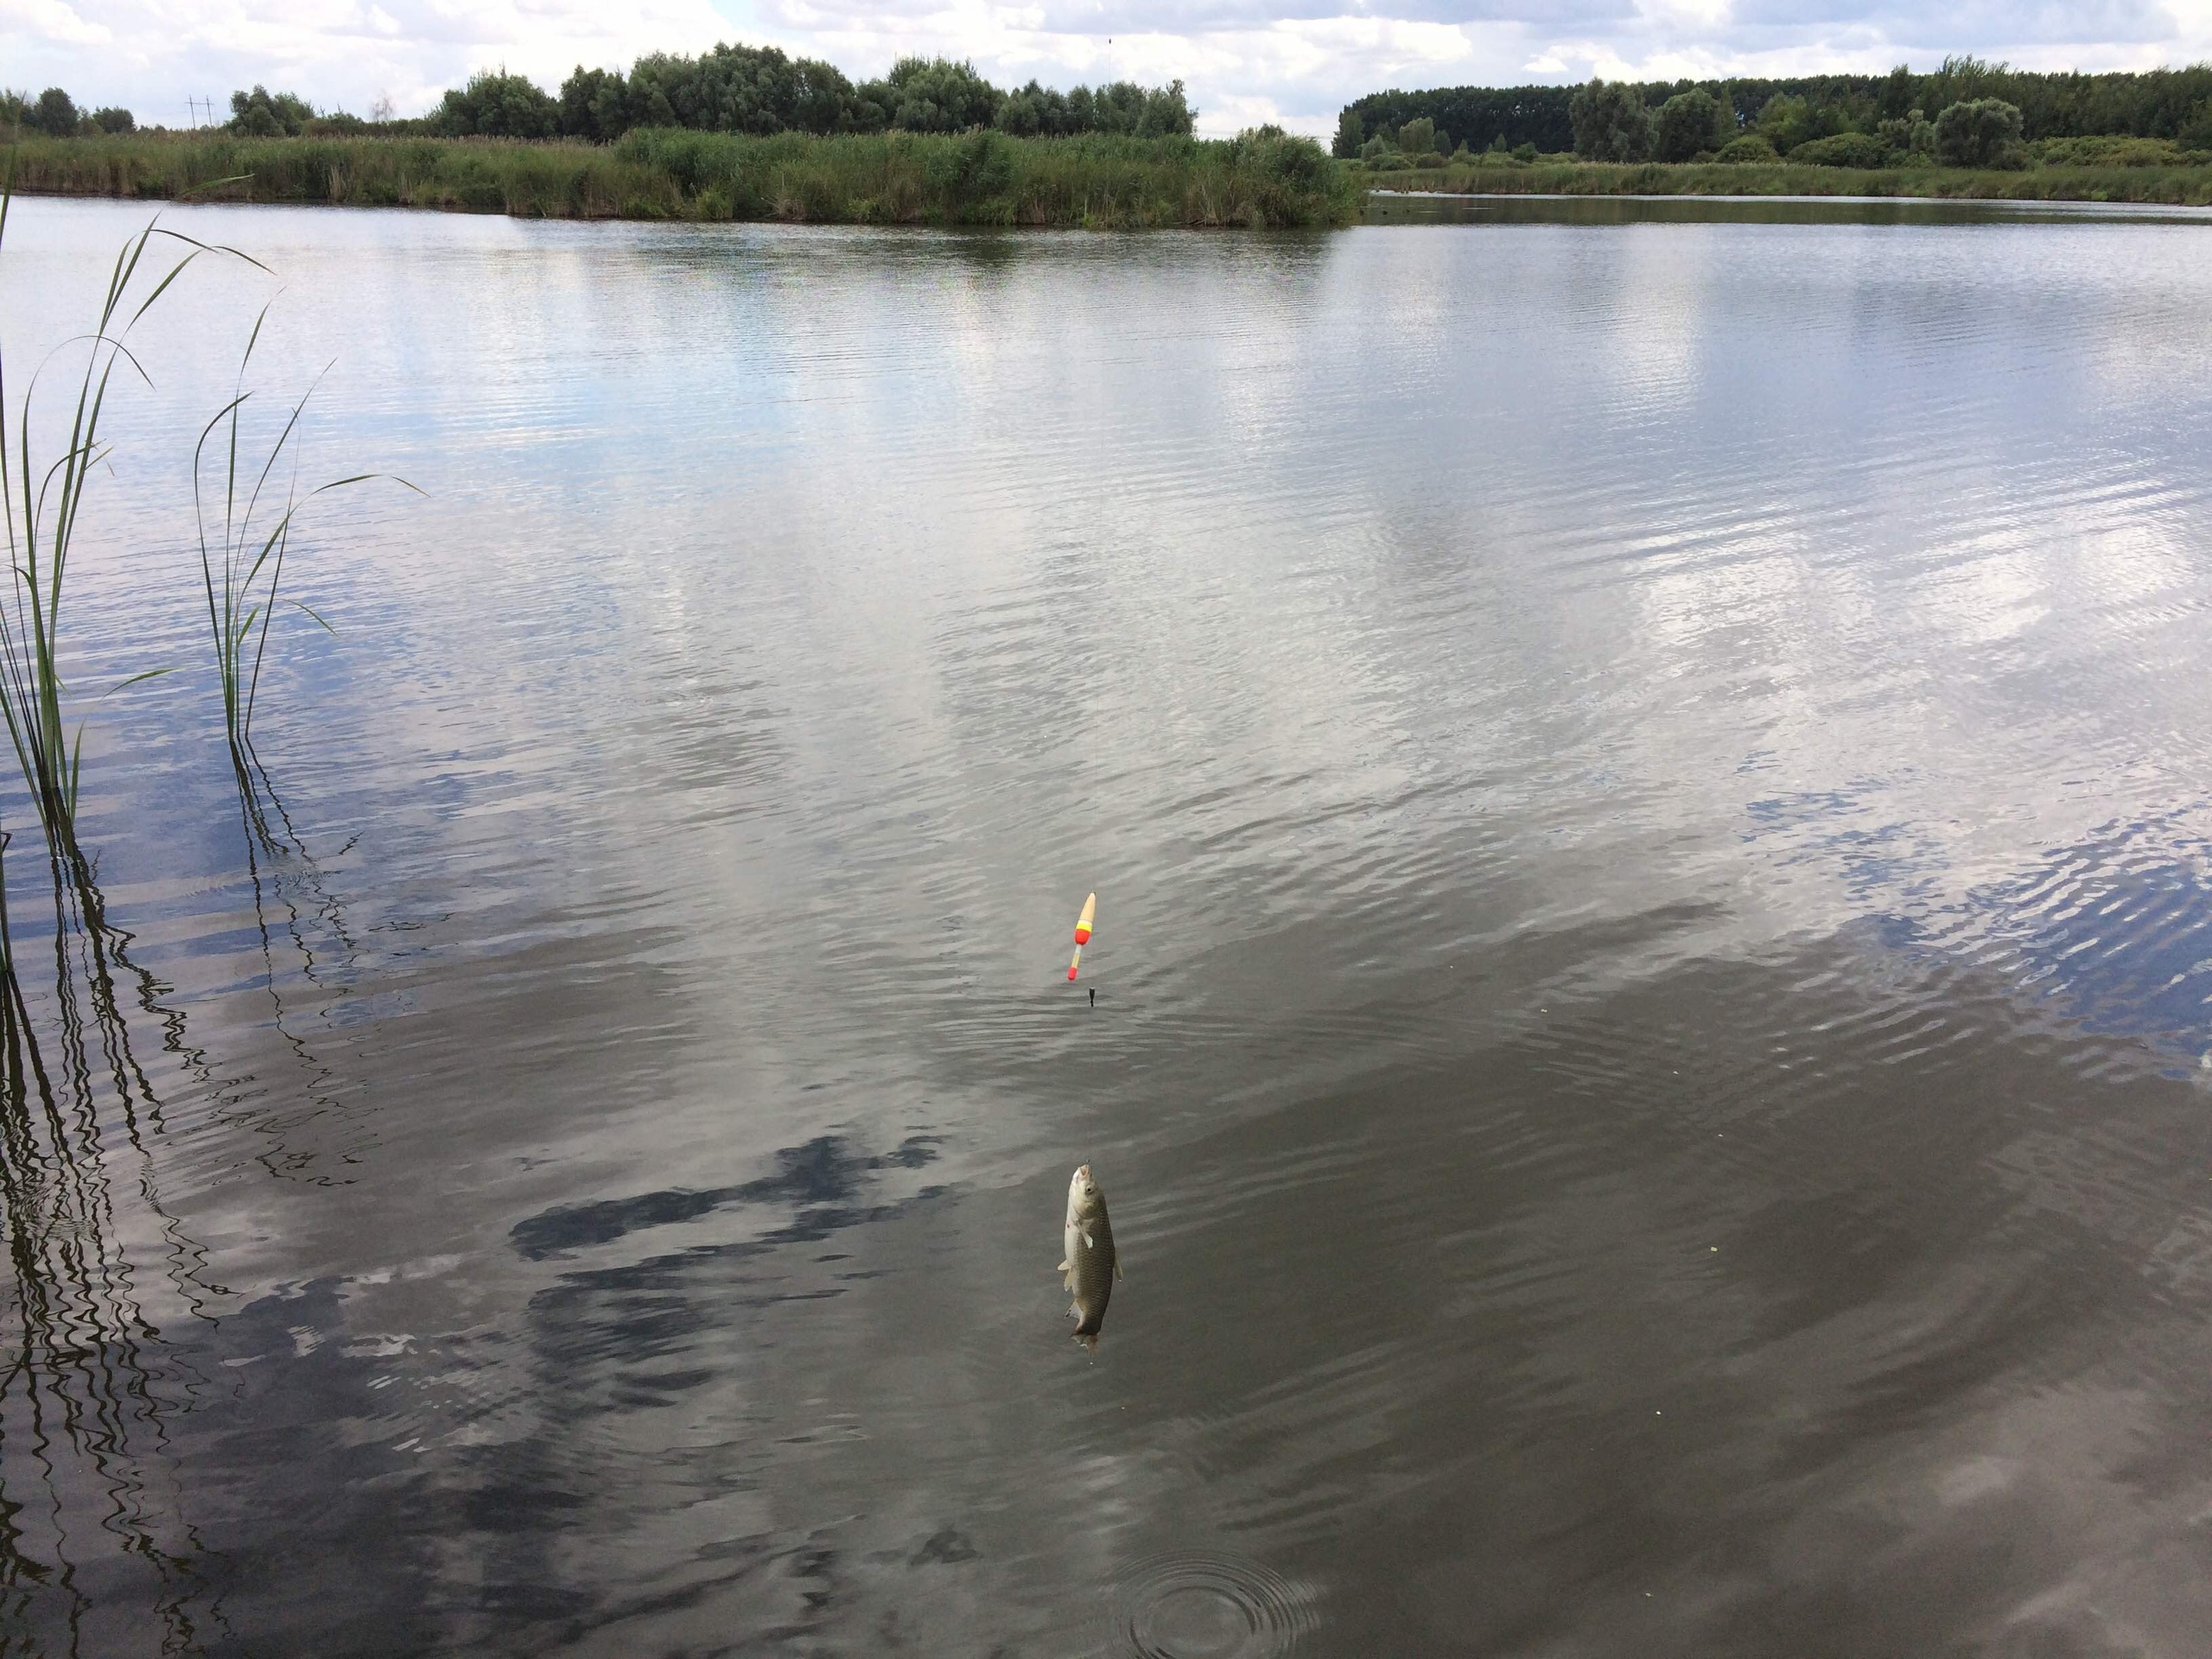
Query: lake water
{"type": "Point", "coordinates": [1648, 787]}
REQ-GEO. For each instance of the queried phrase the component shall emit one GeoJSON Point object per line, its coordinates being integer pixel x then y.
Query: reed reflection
{"type": "Point", "coordinates": [89, 1483]}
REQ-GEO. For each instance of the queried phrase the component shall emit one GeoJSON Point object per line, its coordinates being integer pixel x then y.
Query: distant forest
{"type": "Point", "coordinates": [2156, 104]}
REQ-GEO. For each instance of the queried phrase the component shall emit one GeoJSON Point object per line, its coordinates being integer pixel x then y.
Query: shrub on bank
{"type": "Point", "coordinates": [1750, 149]}
{"type": "Point", "coordinates": [2112, 152]}
{"type": "Point", "coordinates": [1844, 149]}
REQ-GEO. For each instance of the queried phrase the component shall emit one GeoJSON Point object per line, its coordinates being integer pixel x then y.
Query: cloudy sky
{"type": "Point", "coordinates": [1296, 62]}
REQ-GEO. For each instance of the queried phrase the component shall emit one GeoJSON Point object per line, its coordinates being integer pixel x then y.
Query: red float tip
{"type": "Point", "coordinates": [1071, 972]}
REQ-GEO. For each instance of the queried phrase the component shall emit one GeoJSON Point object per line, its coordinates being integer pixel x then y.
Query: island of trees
{"type": "Point", "coordinates": [737, 132]}
{"type": "Point", "coordinates": [1968, 118]}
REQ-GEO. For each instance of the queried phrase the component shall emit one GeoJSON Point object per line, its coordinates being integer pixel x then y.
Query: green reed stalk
{"type": "Point", "coordinates": [43, 506]}
{"type": "Point", "coordinates": [244, 579]}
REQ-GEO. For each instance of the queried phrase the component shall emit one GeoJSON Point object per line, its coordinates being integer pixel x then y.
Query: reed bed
{"type": "Point", "coordinates": [2177, 186]}
{"type": "Point", "coordinates": [1260, 180]}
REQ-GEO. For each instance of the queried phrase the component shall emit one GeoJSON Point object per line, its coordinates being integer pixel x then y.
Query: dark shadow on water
{"type": "Point", "coordinates": [824, 1175]}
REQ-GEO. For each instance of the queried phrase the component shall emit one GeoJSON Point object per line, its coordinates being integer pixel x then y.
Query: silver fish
{"type": "Point", "coordinates": [1090, 1265]}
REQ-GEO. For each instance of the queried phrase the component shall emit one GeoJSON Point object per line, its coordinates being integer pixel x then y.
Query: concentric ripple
{"type": "Point", "coordinates": [1209, 1605]}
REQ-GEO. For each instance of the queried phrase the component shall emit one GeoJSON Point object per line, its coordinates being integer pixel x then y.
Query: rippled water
{"type": "Point", "coordinates": [1648, 788]}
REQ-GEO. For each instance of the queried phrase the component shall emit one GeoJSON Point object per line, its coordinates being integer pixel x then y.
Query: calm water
{"type": "Point", "coordinates": [1648, 790]}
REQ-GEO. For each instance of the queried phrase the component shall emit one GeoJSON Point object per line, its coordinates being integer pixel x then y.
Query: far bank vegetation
{"type": "Point", "coordinates": [738, 132]}
{"type": "Point", "coordinates": [1261, 180]}
{"type": "Point", "coordinates": [1968, 129]}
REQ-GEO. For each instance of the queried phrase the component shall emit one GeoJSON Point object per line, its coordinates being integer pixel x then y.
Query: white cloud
{"type": "Point", "coordinates": [1295, 61]}
{"type": "Point", "coordinates": [51, 20]}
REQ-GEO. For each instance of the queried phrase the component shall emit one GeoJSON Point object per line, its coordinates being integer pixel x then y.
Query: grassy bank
{"type": "Point", "coordinates": [2179, 185]}
{"type": "Point", "coordinates": [898, 178]}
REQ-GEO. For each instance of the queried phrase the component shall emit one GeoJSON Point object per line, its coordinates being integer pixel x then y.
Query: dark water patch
{"type": "Point", "coordinates": [821, 1176]}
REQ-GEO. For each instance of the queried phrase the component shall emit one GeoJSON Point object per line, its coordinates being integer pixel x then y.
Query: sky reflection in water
{"type": "Point", "coordinates": [1647, 788]}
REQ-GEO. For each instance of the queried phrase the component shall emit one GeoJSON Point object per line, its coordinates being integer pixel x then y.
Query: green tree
{"type": "Point", "coordinates": [263, 114]}
{"type": "Point", "coordinates": [1912, 135]}
{"type": "Point", "coordinates": [2195, 133]}
{"type": "Point", "coordinates": [1035, 112]}
{"type": "Point", "coordinates": [1895, 99]}
{"type": "Point", "coordinates": [1786, 122]}
{"type": "Point", "coordinates": [742, 89]}
{"type": "Point", "coordinates": [1611, 123]}
{"type": "Point", "coordinates": [1418, 136]}
{"type": "Point", "coordinates": [497, 106]}
{"type": "Point", "coordinates": [1983, 133]}
{"type": "Point", "coordinates": [595, 104]}
{"type": "Point", "coordinates": [115, 120]}
{"type": "Point", "coordinates": [934, 95]}
{"type": "Point", "coordinates": [1352, 133]}
{"type": "Point", "coordinates": [1690, 122]}
{"type": "Point", "coordinates": [55, 114]}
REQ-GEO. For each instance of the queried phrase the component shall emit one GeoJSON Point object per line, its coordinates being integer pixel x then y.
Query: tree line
{"type": "Point", "coordinates": [2169, 104]}
{"type": "Point", "coordinates": [748, 89]}
{"type": "Point", "coordinates": [758, 89]}
{"type": "Point", "coordinates": [56, 114]}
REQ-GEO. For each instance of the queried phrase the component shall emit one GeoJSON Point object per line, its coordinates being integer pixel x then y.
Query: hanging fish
{"type": "Point", "coordinates": [1083, 932]}
{"type": "Point", "coordinates": [1091, 1267]}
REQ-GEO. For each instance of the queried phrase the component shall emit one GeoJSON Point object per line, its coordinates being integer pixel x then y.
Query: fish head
{"type": "Point", "coordinates": [1082, 1190]}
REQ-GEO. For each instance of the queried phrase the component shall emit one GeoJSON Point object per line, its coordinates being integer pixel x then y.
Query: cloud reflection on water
{"type": "Point", "coordinates": [1602, 750]}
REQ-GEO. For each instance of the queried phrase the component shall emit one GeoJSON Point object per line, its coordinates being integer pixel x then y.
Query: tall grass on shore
{"type": "Point", "coordinates": [2174, 185]}
{"type": "Point", "coordinates": [1262, 179]}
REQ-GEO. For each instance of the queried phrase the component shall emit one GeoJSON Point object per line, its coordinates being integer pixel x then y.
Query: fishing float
{"type": "Point", "coordinates": [1082, 933]}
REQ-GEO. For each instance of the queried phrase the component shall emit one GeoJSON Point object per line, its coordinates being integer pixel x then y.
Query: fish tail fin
{"type": "Point", "coordinates": [1089, 1342]}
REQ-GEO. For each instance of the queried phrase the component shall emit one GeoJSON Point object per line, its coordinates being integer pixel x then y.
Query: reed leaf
{"type": "Point", "coordinates": [241, 565]}
{"type": "Point", "coordinates": [42, 507]}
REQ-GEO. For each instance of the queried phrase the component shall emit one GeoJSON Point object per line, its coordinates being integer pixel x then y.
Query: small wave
{"type": "Point", "coordinates": [1209, 1606]}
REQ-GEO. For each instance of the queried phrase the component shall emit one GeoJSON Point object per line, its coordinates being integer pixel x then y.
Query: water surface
{"type": "Point", "coordinates": [1648, 788]}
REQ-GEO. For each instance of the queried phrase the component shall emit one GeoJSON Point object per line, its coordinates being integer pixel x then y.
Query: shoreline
{"type": "Point", "coordinates": [2165, 186]}
{"type": "Point", "coordinates": [976, 179]}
